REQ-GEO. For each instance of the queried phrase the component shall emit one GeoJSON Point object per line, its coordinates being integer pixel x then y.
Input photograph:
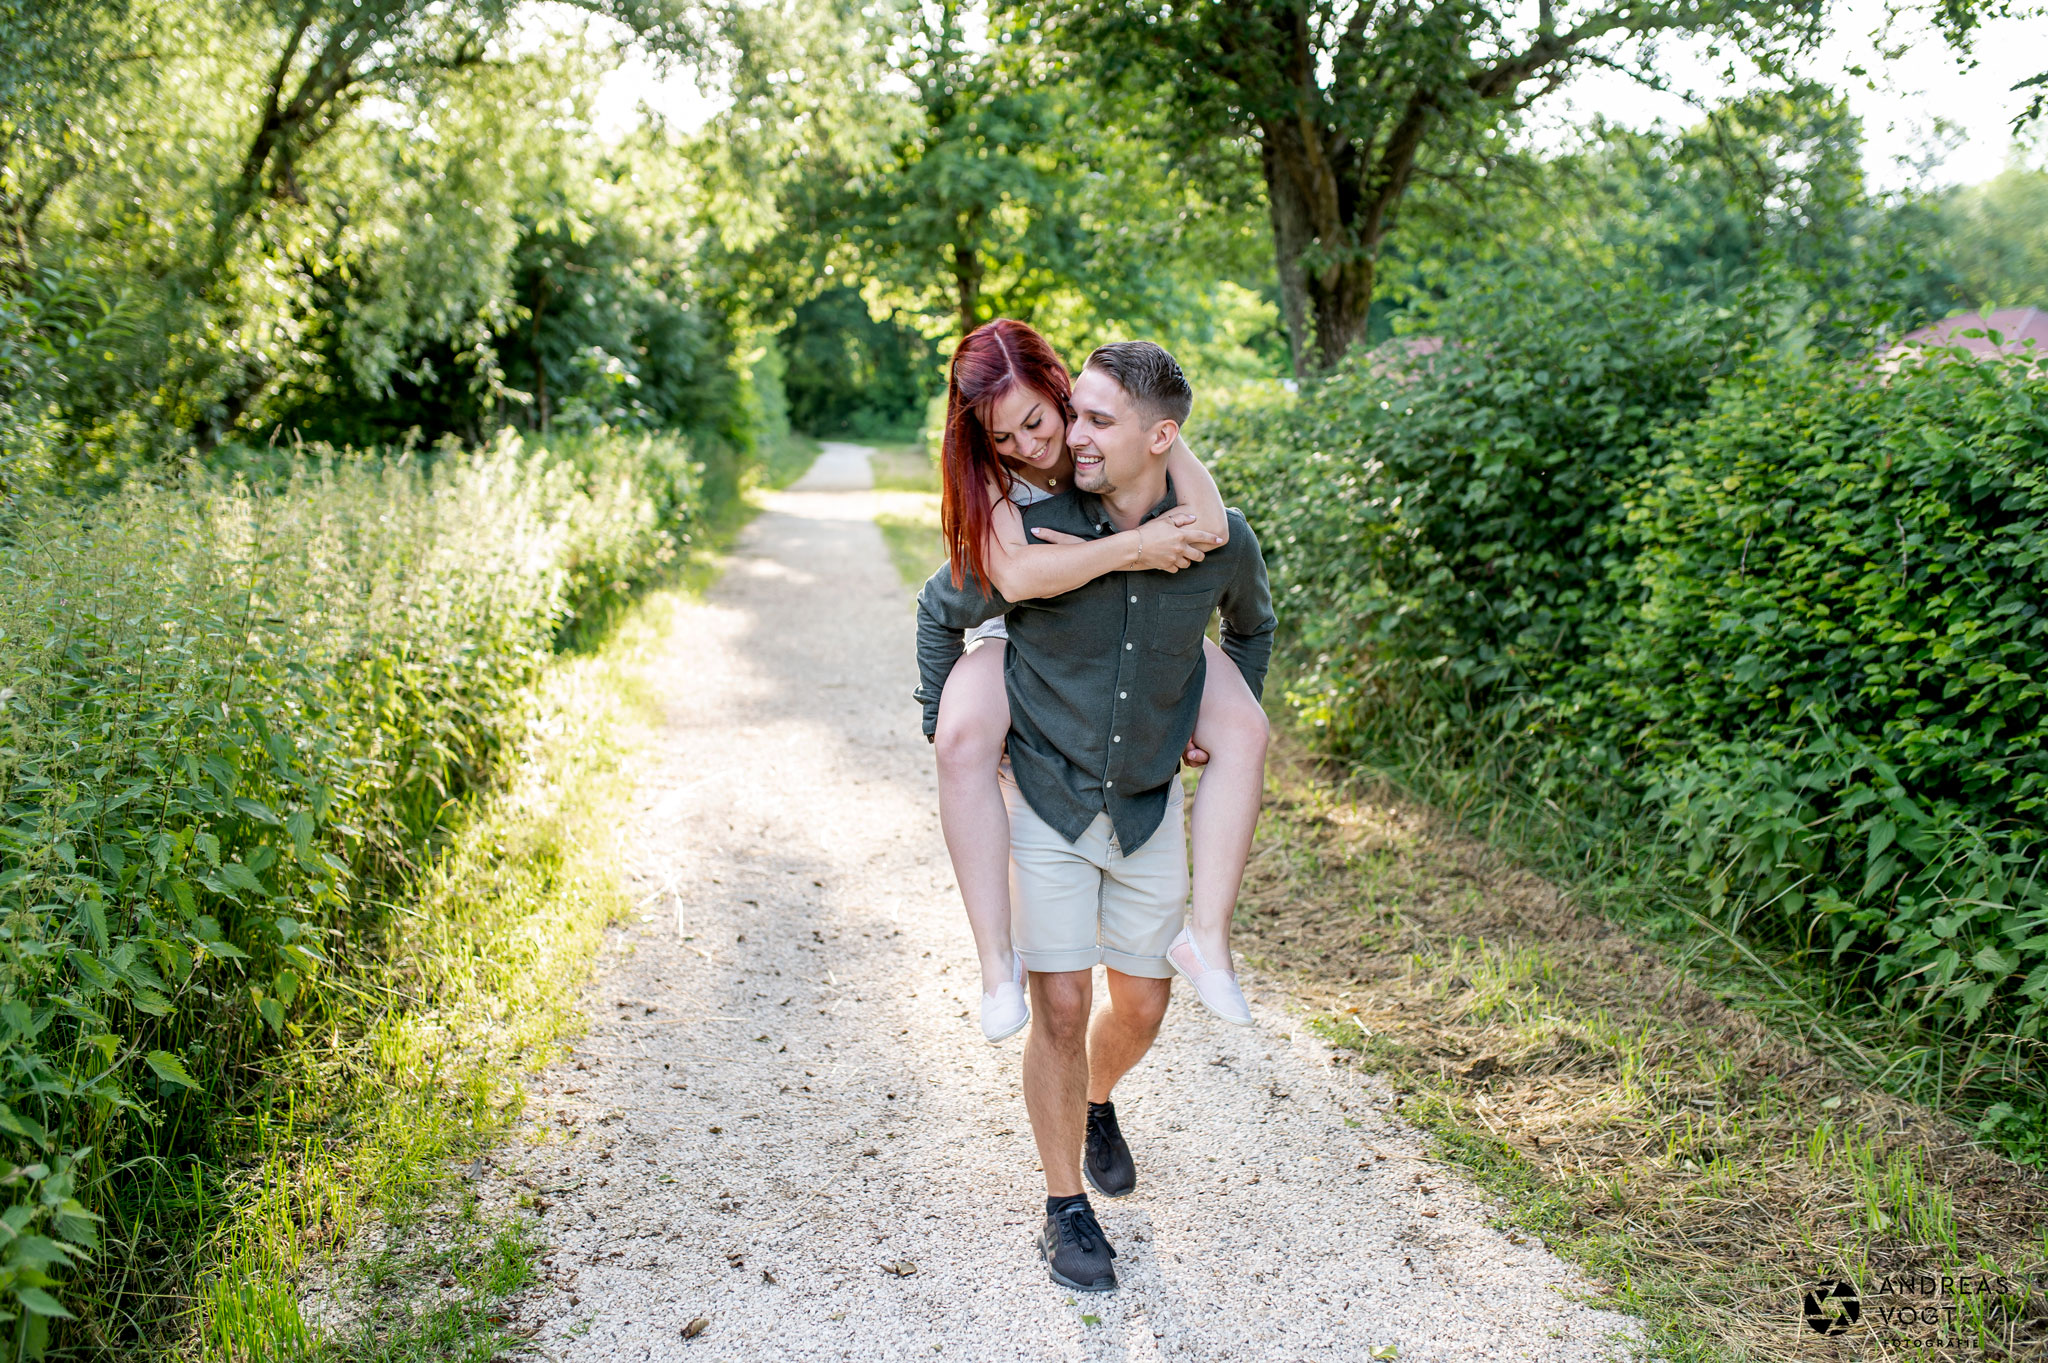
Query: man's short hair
{"type": "Point", "coordinates": [1152, 377]}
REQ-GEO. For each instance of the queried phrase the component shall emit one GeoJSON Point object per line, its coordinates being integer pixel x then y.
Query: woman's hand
{"type": "Point", "coordinates": [1173, 541]}
{"type": "Point", "coordinates": [1167, 544]}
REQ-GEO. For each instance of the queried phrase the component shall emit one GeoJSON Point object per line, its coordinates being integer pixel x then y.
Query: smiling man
{"type": "Point", "coordinates": [1104, 684]}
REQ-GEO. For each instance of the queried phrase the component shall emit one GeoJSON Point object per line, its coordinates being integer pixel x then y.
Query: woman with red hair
{"type": "Point", "coordinates": [1005, 447]}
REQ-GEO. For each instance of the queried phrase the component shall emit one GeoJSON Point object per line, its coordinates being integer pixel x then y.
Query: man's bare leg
{"type": "Point", "coordinates": [1124, 1031]}
{"type": "Point", "coordinates": [1056, 1074]}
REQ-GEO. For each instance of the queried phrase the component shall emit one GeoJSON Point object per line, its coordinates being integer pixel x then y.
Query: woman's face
{"type": "Point", "coordinates": [1027, 427]}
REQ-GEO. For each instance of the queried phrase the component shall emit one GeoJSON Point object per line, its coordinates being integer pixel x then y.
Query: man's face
{"type": "Point", "coordinates": [1112, 442]}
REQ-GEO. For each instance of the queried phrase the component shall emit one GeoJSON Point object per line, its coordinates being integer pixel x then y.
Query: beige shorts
{"type": "Point", "coordinates": [1077, 904]}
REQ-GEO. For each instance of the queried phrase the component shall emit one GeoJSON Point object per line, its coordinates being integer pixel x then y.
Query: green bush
{"type": "Point", "coordinates": [1785, 618]}
{"type": "Point", "coordinates": [1439, 524]}
{"type": "Point", "coordinates": [1831, 678]}
{"type": "Point", "coordinates": [237, 715]}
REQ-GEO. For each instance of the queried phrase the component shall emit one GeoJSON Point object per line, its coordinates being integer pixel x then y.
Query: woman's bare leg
{"type": "Point", "coordinates": [1231, 728]}
{"type": "Point", "coordinates": [974, 719]}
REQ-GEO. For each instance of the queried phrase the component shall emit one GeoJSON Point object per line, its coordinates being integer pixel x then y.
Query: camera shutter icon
{"type": "Point", "coordinates": [1832, 1307]}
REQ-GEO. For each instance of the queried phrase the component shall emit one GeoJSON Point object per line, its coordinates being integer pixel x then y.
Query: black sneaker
{"type": "Point", "coordinates": [1075, 1250]}
{"type": "Point", "coordinates": [1107, 1163]}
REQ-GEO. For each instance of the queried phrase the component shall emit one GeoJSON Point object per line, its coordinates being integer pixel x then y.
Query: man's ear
{"type": "Point", "coordinates": [1163, 435]}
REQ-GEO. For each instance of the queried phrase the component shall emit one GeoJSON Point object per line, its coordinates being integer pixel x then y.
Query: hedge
{"type": "Point", "coordinates": [1784, 617]}
{"type": "Point", "coordinates": [1834, 669]}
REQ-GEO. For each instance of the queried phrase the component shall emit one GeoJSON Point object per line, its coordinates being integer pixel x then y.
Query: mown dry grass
{"type": "Point", "coordinates": [1706, 1168]}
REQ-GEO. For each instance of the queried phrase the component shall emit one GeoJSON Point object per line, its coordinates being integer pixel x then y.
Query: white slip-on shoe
{"type": "Point", "coordinates": [1217, 989]}
{"type": "Point", "coordinates": [1004, 1013]}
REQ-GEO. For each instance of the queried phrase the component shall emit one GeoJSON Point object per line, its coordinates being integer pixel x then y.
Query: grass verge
{"type": "Point", "coordinates": [904, 468]}
{"type": "Point", "coordinates": [1664, 1135]}
{"type": "Point", "coordinates": [370, 1204]}
{"type": "Point", "coordinates": [785, 460]}
{"type": "Point", "coordinates": [910, 527]}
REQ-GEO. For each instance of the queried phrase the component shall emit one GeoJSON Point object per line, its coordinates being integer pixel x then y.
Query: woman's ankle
{"type": "Point", "coordinates": [1214, 944]}
{"type": "Point", "coordinates": [997, 970]}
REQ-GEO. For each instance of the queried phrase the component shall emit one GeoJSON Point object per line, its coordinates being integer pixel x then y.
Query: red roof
{"type": "Point", "coordinates": [2014, 326]}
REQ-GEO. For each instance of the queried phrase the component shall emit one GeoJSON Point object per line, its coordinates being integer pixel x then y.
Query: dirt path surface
{"type": "Point", "coordinates": [786, 1122]}
{"type": "Point", "coordinates": [840, 467]}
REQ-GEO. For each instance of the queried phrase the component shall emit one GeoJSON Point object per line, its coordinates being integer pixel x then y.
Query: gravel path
{"type": "Point", "coordinates": [839, 467]}
{"type": "Point", "coordinates": [785, 1121]}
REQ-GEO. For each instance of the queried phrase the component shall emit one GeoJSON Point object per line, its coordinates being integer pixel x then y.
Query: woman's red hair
{"type": "Point", "coordinates": [989, 363]}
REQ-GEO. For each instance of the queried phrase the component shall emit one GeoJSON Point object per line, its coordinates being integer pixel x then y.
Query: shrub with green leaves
{"type": "Point", "coordinates": [1437, 522]}
{"type": "Point", "coordinates": [1834, 675]}
{"type": "Point", "coordinates": [235, 719]}
{"type": "Point", "coordinates": [1783, 616]}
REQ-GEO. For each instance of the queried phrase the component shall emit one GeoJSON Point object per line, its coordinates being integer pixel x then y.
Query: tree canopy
{"type": "Point", "coordinates": [1351, 104]}
{"type": "Point", "coordinates": [354, 220]}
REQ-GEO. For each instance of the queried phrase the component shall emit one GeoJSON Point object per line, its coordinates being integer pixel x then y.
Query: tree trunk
{"type": "Point", "coordinates": [1291, 236]}
{"type": "Point", "coordinates": [967, 279]}
{"type": "Point", "coordinates": [540, 367]}
{"type": "Point", "coordinates": [237, 199]}
{"type": "Point", "coordinates": [1326, 277]}
{"type": "Point", "coordinates": [1341, 298]}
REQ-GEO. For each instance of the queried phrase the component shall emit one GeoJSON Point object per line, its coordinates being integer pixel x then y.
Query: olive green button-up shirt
{"type": "Point", "coordinates": [1104, 681]}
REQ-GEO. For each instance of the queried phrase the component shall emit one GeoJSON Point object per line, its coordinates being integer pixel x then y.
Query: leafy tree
{"type": "Point", "coordinates": [382, 271]}
{"type": "Point", "coordinates": [1764, 205]}
{"type": "Point", "coordinates": [200, 179]}
{"type": "Point", "coordinates": [510, 270]}
{"type": "Point", "coordinates": [63, 58]}
{"type": "Point", "coordinates": [1352, 104]}
{"type": "Point", "coordinates": [940, 157]}
{"type": "Point", "coordinates": [333, 54]}
{"type": "Point", "coordinates": [983, 184]}
{"type": "Point", "coordinates": [1959, 21]}
{"type": "Point", "coordinates": [849, 373]}
{"type": "Point", "coordinates": [1998, 233]}
{"type": "Point", "coordinates": [1761, 207]}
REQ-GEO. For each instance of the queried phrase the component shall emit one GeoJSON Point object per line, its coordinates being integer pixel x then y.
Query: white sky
{"type": "Point", "coordinates": [1902, 102]}
{"type": "Point", "coordinates": [637, 83]}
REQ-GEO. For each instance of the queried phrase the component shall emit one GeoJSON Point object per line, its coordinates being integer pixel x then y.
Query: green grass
{"type": "Point", "coordinates": [915, 546]}
{"type": "Point", "coordinates": [407, 1315]}
{"type": "Point", "coordinates": [1535, 1204]}
{"type": "Point", "coordinates": [785, 460]}
{"type": "Point", "coordinates": [904, 468]}
{"type": "Point", "coordinates": [1625, 872]}
{"type": "Point", "coordinates": [501, 936]}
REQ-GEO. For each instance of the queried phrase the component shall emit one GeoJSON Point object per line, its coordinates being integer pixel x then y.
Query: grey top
{"type": "Point", "coordinates": [1104, 681]}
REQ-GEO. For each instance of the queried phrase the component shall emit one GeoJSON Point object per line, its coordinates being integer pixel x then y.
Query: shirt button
{"type": "Point", "coordinates": [1134, 601]}
{"type": "Point", "coordinates": [1123, 695]}
{"type": "Point", "coordinates": [1107, 784]}
{"type": "Point", "coordinates": [1127, 648]}
{"type": "Point", "coordinates": [1116, 738]}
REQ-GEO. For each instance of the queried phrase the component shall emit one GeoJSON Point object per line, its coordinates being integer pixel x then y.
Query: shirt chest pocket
{"type": "Point", "coordinates": [1179, 618]}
